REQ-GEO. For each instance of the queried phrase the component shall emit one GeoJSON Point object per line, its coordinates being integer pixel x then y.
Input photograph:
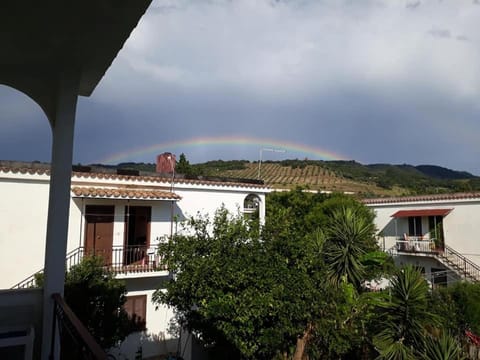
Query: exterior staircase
{"type": "Point", "coordinates": [448, 256]}
{"type": "Point", "coordinates": [459, 263]}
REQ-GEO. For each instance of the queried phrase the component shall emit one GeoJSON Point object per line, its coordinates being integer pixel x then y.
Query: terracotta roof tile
{"type": "Point", "coordinates": [124, 193]}
{"type": "Point", "coordinates": [141, 178]}
{"type": "Point", "coordinates": [157, 179]}
{"type": "Point", "coordinates": [420, 198]}
{"type": "Point", "coordinates": [24, 170]}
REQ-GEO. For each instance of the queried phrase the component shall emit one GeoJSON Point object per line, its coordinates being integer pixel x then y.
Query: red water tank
{"type": "Point", "coordinates": [166, 163]}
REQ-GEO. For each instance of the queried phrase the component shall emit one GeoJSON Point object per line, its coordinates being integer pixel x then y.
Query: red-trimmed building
{"type": "Point", "coordinates": [439, 233]}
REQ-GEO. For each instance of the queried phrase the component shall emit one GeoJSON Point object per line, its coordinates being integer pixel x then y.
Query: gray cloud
{"type": "Point", "coordinates": [360, 79]}
{"type": "Point", "coordinates": [440, 33]}
{"type": "Point", "coordinates": [412, 4]}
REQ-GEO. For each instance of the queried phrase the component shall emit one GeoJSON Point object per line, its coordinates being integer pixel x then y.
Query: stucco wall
{"type": "Point", "coordinates": [156, 339]}
{"type": "Point", "coordinates": [23, 220]}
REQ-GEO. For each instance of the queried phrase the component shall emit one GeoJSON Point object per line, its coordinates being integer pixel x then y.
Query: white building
{"type": "Point", "coordinates": [438, 233]}
{"type": "Point", "coordinates": [121, 217]}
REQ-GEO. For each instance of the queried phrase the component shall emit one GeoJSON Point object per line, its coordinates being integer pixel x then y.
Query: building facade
{"type": "Point", "coordinates": [438, 233]}
{"type": "Point", "coordinates": [122, 217]}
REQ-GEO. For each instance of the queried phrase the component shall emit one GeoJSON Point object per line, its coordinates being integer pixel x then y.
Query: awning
{"type": "Point", "coordinates": [123, 193]}
{"type": "Point", "coordinates": [422, 212]}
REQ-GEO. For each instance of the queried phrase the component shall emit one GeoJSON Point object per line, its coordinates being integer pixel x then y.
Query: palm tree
{"type": "Point", "coordinates": [405, 316]}
{"type": "Point", "coordinates": [445, 347]}
{"type": "Point", "coordinates": [346, 235]}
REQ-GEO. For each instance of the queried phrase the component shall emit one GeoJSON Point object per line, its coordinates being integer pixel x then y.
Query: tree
{"type": "Point", "coordinates": [262, 294]}
{"type": "Point", "coordinates": [97, 299]}
{"type": "Point", "coordinates": [183, 166]}
{"type": "Point", "coordinates": [348, 235]}
{"type": "Point", "coordinates": [445, 347]}
{"type": "Point", "coordinates": [459, 305]}
{"type": "Point", "coordinates": [225, 286]}
{"type": "Point", "coordinates": [405, 316]}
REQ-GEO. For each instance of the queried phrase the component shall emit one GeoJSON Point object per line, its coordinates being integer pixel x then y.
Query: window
{"type": "Point", "coordinates": [136, 308]}
{"type": "Point", "coordinates": [251, 203]}
{"type": "Point", "coordinates": [415, 226]}
{"type": "Point", "coordinates": [439, 277]}
{"type": "Point", "coordinates": [251, 206]}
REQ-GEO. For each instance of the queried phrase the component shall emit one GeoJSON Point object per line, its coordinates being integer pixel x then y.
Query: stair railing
{"type": "Point", "coordinates": [464, 265]}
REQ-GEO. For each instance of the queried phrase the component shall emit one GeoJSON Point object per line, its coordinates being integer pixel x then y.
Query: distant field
{"type": "Point", "coordinates": [342, 176]}
{"type": "Point", "coordinates": [315, 177]}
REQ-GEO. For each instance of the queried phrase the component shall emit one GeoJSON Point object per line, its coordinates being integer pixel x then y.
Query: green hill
{"type": "Point", "coordinates": [342, 176]}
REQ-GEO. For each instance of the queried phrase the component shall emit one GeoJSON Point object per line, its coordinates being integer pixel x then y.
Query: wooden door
{"type": "Point", "coordinates": [137, 231]}
{"type": "Point", "coordinates": [99, 231]}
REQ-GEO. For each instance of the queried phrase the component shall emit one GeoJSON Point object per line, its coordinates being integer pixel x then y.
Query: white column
{"type": "Point", "coordinates": [261, 210]}
{"type": "Point", "coordinates": [59, 202]}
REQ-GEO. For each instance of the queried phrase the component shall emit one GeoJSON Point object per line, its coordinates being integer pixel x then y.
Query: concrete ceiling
{"type": "Point", "coordinates": [40, 39]}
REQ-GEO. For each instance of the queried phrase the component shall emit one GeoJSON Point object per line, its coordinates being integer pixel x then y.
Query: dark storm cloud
{"type": "Point", "coordinates": [369, 80]}
{"type": "Point", "coordinates": [412, 4]}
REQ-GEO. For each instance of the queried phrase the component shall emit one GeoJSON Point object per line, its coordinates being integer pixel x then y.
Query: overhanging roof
{"type": "Point", "coordinates": [44, 34]}
{"type": "Point", "coordinates": [421, 212]}
{"type": "Point", "coordinates": [41, 39]}
{"type": "Point", "coordinates": [123, 193]}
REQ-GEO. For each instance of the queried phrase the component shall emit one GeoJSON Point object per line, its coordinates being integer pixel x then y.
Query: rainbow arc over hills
{"type": "Point", "coordinates": [311, 152]}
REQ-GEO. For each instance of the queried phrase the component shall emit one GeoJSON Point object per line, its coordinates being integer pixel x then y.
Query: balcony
{"type": "Point", "coordinates": [122, 260]}
{"type": "Point", "coordinates": [415, 244]}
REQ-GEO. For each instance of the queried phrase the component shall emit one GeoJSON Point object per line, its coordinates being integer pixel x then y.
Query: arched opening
{"type": "Point", "coordinates": [25, 133]}
{"type": "Point", "coordinates": [251, 205]}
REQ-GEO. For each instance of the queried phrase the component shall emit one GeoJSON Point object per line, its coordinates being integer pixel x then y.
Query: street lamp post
{"type": "Point", "coordinates": [172, 166]}
{"type": "Point", "coordinates": [260, 156]}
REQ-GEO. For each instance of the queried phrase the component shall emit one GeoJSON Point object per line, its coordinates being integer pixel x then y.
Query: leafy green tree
{"type": "Point", "coordinates": [210, 271]}
{"type": "Point", "coordinates": [97, 299]}
{"type": "Point", "coordinates": [459, 307]}
{"type": "Point", "coordinates": [183, 165]}
{"type": "Point", "coordinates": [236, 289]}
{"type": "Point", "coordinates": [264, 294]}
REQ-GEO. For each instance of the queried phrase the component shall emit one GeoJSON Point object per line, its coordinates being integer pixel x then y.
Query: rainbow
{"type": "Point", "coordinates": [313, 153]}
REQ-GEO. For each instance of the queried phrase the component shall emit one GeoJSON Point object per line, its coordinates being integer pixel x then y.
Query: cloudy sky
{"type": "Point", "coordinates": [394, 81]}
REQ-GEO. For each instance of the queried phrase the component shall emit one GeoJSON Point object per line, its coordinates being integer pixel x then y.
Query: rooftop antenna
{"type": "Point", "coordinates": [262, 149]}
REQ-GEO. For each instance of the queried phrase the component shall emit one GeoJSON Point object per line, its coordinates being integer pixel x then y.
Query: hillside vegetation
{"type": "Point", "coordinates": [341, 176]}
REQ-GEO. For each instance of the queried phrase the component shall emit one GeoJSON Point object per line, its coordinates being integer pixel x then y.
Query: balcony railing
{"type": "Point", "coordinates": [454, 260]}
{"type": "Point", "coordinates": [414, 246]}
{"type": "Point", "coordinates": [119, 259]}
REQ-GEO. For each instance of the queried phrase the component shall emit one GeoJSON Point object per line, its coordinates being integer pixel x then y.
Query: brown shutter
{"type": "Point", "coordinates": [136, 308]}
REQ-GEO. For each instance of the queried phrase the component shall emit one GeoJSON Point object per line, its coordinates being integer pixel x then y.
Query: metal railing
{"type": "Point", "coordinates": [412, 246]}
{"type": "Point", "coordinates": [460, 263]}
{"type": "Point", "coordinates": [451, 258]}
{"type": "Point", "coordinates": [75, 340]}
{"type": "Point", "coordinates": [119, 259]}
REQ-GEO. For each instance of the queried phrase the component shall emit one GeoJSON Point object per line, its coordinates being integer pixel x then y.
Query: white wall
{"type": "Point", "coordinates": [156, 339]}
{"type": "Point", "coordinates": [23, 222]}
{"type": "Point", "coordinates": [208, 201]}
{"type": "Point", "coordinates": [23, 219]}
